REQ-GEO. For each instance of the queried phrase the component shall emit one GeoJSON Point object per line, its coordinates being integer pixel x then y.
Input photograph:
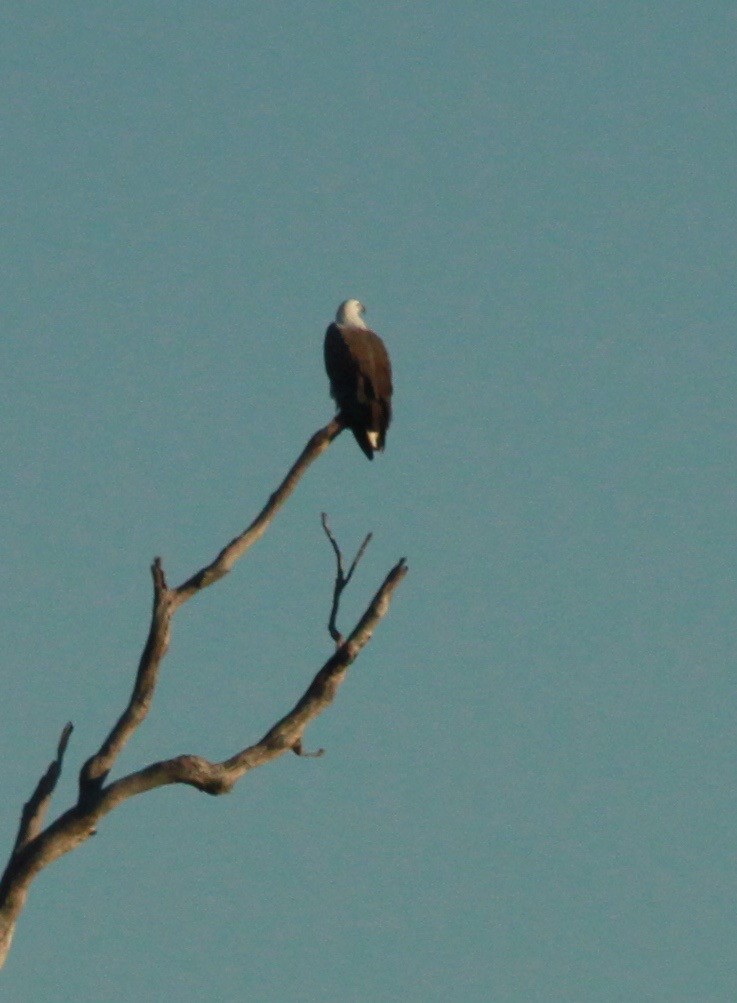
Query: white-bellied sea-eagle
{"type": "Point", "coordinates": [360, 376]}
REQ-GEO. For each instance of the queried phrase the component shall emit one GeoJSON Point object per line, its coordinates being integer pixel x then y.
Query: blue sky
{"type": "Point", "coordinates": [528, 791]}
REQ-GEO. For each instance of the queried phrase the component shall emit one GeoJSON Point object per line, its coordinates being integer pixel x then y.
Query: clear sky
{"type": "Point", "coordinates": [529, 786]}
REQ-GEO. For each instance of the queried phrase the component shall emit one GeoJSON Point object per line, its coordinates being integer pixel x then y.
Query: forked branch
{"type": "Point", "coordinates": [341, 579]}
{"type": "Point", "coordinates": [35, 847]}
{"type": "Point", "coordinates": [167, 601]}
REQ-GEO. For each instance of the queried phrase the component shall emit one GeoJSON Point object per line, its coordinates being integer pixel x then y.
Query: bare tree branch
{"type": "Point", "coordinates": [341, 579]}
{"type": "Point", "coordinates": [34, 810]}
{"type": "Point", "coordinates": [238, 546]}
{"type": "Point", "coordinates": [80, 822]}
{"type": "Point", "coordinates": [35, 848]}
{"type": "Point", "coordinates": [167, 601]}
{"type": "Point", "coordinates": [96, 769]}
{"type": "Point", "coordinates": [220, 778]}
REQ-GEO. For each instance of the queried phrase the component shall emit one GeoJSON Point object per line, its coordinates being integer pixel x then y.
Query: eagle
{"type": "Point", "coordinates": [360, 375]}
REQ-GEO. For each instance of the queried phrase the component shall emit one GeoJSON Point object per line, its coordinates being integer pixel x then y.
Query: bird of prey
{"type": "Point", "coordinates": [360, 375]}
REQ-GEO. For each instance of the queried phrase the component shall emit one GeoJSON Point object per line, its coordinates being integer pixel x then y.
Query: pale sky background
{"type": "Point", "coordinates": [529, 786]}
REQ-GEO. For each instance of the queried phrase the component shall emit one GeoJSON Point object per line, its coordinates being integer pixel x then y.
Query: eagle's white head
{"type": "Point", "coordinates": [351, 314]}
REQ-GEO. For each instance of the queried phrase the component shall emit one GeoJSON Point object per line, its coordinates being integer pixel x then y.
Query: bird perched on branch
{"type": "Point", "coordinates": [360, 375]}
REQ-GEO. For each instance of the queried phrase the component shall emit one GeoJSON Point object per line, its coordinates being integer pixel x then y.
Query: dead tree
{"type": "Point", "coordinates": [36, 847]}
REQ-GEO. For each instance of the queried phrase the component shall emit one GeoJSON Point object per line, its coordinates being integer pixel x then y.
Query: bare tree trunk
{"type": "Point", "coordinates": [36, 847]}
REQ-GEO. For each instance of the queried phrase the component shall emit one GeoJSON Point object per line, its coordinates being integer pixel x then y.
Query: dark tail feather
{"type": "Point", "coordinates": [360, 434]}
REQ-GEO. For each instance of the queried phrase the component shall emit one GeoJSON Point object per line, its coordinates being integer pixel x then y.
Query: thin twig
{"type": "Point", "coordinates": [34, 810]}
{"type": "Point", "coordinates": [341, 579]}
